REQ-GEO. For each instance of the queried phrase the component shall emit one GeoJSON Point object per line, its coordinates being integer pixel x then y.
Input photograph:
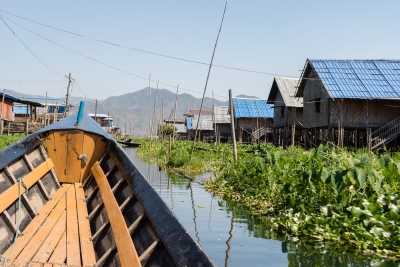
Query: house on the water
{"type": "Point", "coordinates": [205, 129]}
{"type": "Point", "coordinates": [253, 120]}
{"type": "Point", "coordinates": [288, 111]}
{"type": "Point", "coordinates": [13, 120]}
{"type": "Point", "coordinates": [351, 102]}
{"type": "Point", "coordinates": [105, 121]}
{"type": "Point", "coordinates": [222, 123]}
{"type": "Point", "coordinates": [50, 110]}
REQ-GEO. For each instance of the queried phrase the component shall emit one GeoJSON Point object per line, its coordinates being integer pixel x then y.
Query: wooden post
{"type": "Point", "coordinates": [45, 113]}
{"type": "Point", "coordinates": [355, 138]}
{"type": "Point", "coordinates": [232, 126]}
{"type": "Point", "coordinates": [162, 122]}
{"type": "Point", "coordinates": [1, 113]}
{"type": "Point", "coordinates": [67, 96]}
{"type": "Point", "coordinates": [170, 144]}
{"type": "Point", "coordinates": [176, 103]}
{"type": "Point", "coordinates": [154, 113]}
{"type": "Point", "coordinates": [213, 114]}
{"type": "Point", "coordinates": [95, 112]}
{"type": "Point", "coordinates": [293, 133]}
{"type": "Point", "coordinates": [150, 111]}
{"type": "Point", "coordinates": [27, 118]}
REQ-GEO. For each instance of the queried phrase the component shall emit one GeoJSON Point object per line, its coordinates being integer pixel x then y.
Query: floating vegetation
{"type": "Point", "coordinates": [6, 140]}
{"type": "Point", "coordinates": [349, 198]}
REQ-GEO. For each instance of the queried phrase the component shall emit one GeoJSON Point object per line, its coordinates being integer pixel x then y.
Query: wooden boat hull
{"type": "Point", "coordinates": [129, 144]}
{"type": "Point", "coordinates": [110, 215]}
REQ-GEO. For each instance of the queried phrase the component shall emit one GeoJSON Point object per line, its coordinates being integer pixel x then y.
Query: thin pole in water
{"type": "Point", "coordinates": [205, 88]}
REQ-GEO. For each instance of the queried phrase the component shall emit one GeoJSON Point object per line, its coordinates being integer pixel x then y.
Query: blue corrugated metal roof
{"type": "Point", "coordinates": [252, 108]}
{"type": "Point", "coordinates": [365, 79]}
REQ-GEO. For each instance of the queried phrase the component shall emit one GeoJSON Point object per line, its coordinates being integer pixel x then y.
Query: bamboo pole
{"type": "Point", "coordinates": [154, 114]}
{"type": "Point", "coordinates": [208, 76]}
{"type": "Point", "coordinates": [150, 109]}
{"type": "Point", "coordinates": [162, 122]}
{"type": "Point", "coordinates": [232, 126]}
{"type": "Point", "coordinates": [1, 113]}
{"type": "Point", "coordinates": [45, 113]}
{"type": "Point", "coordinates": [176, 103]}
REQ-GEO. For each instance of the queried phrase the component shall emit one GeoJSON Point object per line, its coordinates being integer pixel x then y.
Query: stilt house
{"type": "Point", "coordinates": [205, 131]}
{"type": "Point", "coordinates": [351, 102]}
{"type": "Point", "coordinates": [253, 119]}
{"type": "Point", "coordinates": [222, 123]}
{"type": "Point", "coordinates": [288, 111]}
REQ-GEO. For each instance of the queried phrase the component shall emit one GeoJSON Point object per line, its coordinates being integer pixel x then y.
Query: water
{"type": "Point", "coordinates": [230, 235]}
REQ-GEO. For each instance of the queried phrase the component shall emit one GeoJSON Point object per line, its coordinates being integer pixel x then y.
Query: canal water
{"type": "Point", "coordinates": [232, 236]}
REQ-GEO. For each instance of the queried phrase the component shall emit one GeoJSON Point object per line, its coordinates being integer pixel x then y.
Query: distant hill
{"type": "Point", "coordinates": [246, 96]}
{"type": "Point", "coordinates": [134, 109]}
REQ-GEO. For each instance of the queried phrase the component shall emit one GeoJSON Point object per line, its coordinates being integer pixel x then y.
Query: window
{"type": "Point", "coordinates": [282, 113]}
{"type": "Point", "coordinates": [317, 105]}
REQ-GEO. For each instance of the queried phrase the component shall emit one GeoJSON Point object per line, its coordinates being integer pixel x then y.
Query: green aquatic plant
{"type": "Point", "coordinates": [320, 193]}
{"type": "Point", "coordinates": [6, 140]}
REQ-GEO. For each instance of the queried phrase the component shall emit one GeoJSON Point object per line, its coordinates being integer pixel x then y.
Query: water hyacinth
{"type": "Point", "coordinates": [349, 197]}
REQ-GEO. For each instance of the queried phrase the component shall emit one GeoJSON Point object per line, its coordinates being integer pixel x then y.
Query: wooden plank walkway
{"type": "Point", "coordinates": [59, 236]}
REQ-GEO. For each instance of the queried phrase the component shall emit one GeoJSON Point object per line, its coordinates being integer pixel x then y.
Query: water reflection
{"type": "Point", "coordinates": [194, 211]}
{"type": "Point", "coordinates": [231, 235]}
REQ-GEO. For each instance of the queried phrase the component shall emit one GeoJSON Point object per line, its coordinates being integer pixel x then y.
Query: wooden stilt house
{"type": "Point", "coordinates": [253, 120]}
{"type": "Point", "coordinates": [204, 121]}
{"type": "Point", "coordinates": [288, 111]}
{"type": "Point", "coordinates": [351, 102]}
{"type": "Point", "coordinates": [222, 123]}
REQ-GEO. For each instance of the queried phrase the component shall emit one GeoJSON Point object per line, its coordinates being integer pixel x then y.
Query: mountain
{"type": "Point", "coordinates": [246, 96]}
{"type": "Point", "coordinates": [134, 109]}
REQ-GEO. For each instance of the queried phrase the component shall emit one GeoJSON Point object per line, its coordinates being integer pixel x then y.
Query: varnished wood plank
{"type": "Point", "coordinates": [87, 249]}
{"type": "Point", "coordinates": [74, 149]}
{"type": "Point", "coordinates": [126, 250]}
{"type": "Point", "coordinates": [24, 197]}
{"type": "Point", "coordinates": [48, 246]}
{"type": "Point", "coordinates": [56, 145]}
{"type": "Point", "coordinates": [32, 264]}
{"type": "Point", "coordinates": [40, 236]}
{"type": "Point", "coordinates": [94, 148]}
{"type": "Point", "coordinates": [73, 251]}
{"type": "Point", "coordinates": [60, 252]}
{"type": "Point", "coordinates": [64, 148]}
{"type": "Point", "coordinates": [36, 223]}
{"type": "Point", "coordinates": [11, 194]}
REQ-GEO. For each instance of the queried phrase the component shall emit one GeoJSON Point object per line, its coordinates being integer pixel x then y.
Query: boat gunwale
{"type": "Point", "coordinates": [188, 252]}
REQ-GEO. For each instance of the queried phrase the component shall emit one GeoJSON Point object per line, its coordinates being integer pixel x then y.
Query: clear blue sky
{"type": "Point", "coordinates": [267, 36]}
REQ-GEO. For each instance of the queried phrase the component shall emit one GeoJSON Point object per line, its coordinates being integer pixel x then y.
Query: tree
{"type": "Point", "coordinates": [168, 130]}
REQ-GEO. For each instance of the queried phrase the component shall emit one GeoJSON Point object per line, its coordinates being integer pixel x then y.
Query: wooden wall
{"type": "Point", "coordinates": [315, 93]}
{"type": "Point", "coordinates": [7, 112]}
{"type": "Point", "coordinates": [363, 113]}
{"type": "Point", "coordinates": [251, 123]}
{"type": "Point", "coordinates": [64, 148]}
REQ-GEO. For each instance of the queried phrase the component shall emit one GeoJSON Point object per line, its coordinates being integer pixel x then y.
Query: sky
{"type": "Point", "coordinates": [267, 38]}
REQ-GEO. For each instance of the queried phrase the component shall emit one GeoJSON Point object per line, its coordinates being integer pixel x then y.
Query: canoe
{"type": "Point", "coordinates": [129, 143]}
{"type": "Point", "coordinates": [78, 200]}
